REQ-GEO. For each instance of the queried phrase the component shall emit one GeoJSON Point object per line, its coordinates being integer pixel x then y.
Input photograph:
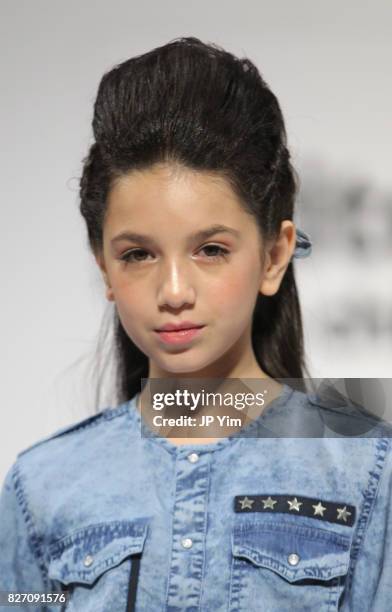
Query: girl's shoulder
{"type": "Point", "coordinates": [87, 426]}
{"type": "Point", "coordinates": [346, 417]}
{"type": "Point", "coordinates": [70, 462]}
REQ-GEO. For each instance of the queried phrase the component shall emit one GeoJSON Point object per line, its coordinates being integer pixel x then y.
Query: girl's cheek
{"type": "Point", "coordinates": [236, 288]}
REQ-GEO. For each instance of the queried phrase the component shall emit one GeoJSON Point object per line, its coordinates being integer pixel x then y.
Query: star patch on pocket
{"type": "Point", "coordinates": [332, 511]}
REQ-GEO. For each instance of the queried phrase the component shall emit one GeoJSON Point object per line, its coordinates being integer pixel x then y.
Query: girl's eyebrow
{"type": "Point", "coordinates": [200, 235]}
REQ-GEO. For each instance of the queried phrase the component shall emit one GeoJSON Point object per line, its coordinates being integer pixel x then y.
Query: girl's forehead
{"type": "Point", "coordinates": [169, 181]}
{"type": "Point", "coordinates": [186, 197]}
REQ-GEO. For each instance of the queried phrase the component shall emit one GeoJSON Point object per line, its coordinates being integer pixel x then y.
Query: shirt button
{"type": "Point", "coordinates": [186, 542]}
{"type": "Point", "coordinates": [293, 559]}
{"type": "Point", "coordinates": [88, 560]}
{"type": "Point", "coordinates": [193, 457]}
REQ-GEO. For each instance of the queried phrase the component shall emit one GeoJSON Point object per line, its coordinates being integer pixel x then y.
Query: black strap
{"type": "Point", "coordinates": [132, 587]}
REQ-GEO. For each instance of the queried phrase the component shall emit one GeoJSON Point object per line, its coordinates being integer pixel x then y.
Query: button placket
{"type": "Point", "coordinates": [189, 527]}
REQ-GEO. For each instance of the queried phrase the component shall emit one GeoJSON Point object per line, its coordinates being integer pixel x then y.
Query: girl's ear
{"type": "Point", "coordinates": [277, 259]}
{"type": "Point", "coordinates": [101, 264]}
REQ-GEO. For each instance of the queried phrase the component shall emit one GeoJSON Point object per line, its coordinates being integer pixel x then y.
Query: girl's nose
{"type": "Point", "coordinates": [176, 287]}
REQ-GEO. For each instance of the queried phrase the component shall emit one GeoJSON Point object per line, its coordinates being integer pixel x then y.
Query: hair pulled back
{"type": "Point", "coordinates": [198, 105]}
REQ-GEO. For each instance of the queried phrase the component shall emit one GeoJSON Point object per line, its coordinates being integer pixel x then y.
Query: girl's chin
{"type": "Point", "coordinates": [182, 365]}
{"type": "Point", "coordinates": [183, 371]}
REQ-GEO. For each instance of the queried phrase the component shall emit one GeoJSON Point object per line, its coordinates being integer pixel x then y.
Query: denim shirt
{"type": "Point", "coordinates": [244, 523]}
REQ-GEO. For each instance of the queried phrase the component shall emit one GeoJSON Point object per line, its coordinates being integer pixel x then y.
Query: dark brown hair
{"type": "Point", "coordinates": [200, 106]}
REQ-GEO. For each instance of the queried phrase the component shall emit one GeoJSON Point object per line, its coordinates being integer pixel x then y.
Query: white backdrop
{"type": "Point", "coordinates": [329, 65]}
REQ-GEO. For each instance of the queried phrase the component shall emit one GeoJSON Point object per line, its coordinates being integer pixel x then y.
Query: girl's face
{"type": "Point", "coordinates": [165, 260]}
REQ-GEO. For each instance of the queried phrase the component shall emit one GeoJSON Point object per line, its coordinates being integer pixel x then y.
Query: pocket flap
{"type": "Point", "coordinates": [85, 554]}
{"type": "Point", "coordinates": [295, 551]}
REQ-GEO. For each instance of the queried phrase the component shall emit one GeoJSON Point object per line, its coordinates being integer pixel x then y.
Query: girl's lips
{"type": "Point", "coordinates": [181, 336]}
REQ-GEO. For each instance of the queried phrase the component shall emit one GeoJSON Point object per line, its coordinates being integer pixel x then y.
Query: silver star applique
{"type": "Point", "coordinates": [319, 509]}
{"type": "Point", "coordinates": [343, 513]}
{"type": "Point", "coordinates": [246, 503]}
{"type": "Point", "coordinates": [269, 503]}
{"type": "Point", "coordinates": [294, 504]}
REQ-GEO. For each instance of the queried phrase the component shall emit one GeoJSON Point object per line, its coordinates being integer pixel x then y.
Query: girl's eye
{"type": "Point", "coordinates": [137, 255]}
{"type": "Point", "coordinates": [223, 253]}
{"type": "Point", "coordinates": [132, 256]}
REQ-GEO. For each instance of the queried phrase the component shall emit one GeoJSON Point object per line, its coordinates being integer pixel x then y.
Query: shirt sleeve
{"type": "Point", "coordinates": [371, 586]}
{"type": "Point", "coordinates": [21, 569]}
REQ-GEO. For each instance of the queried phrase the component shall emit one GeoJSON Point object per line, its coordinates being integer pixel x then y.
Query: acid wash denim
{"type": "Point", "coordinates": [272, 523]}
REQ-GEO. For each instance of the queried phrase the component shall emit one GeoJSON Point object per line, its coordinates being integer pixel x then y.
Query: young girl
{"type": "Point", "coordinates": [188, 196]}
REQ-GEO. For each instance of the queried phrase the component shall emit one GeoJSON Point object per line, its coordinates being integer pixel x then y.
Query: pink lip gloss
{"type": "Point", "coordinates": [181, 336]}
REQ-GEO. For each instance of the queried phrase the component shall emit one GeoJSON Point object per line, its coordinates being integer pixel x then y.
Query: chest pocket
{"type": "Point", "coordinates": [96, 565]}
{"type": "Point", "coordinates": [283, 565]}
